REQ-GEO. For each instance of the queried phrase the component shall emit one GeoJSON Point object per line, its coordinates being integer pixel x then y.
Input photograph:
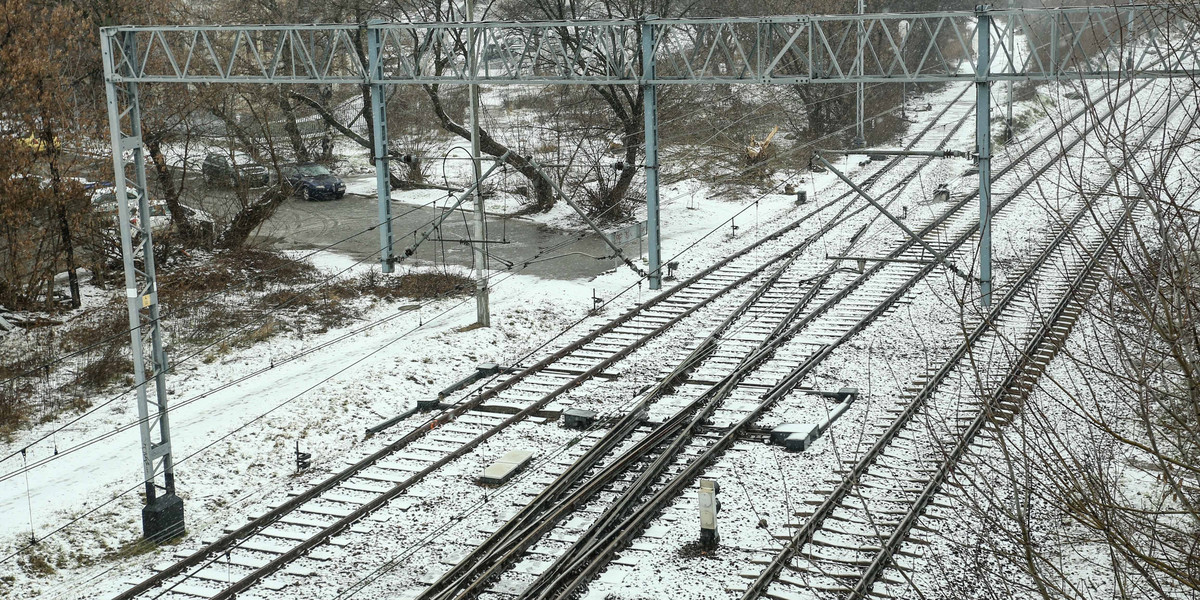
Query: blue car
{"type": "Point", "coordinates": [313, 181]}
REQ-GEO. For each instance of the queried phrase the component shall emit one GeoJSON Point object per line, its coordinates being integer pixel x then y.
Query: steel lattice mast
{"type": "Point", "coordinates": [162, 517]}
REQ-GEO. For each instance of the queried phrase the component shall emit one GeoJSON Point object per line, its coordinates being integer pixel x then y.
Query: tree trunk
{"type": "Point", "coordinates": [325, 96]}
{"type": "Point", "coordinates": [543, 191]}
{"type": "Point", "coordinates": [64, 223]}
{"type": "Point", "coordinates": [183, 224]}
{"type": "Point", "coordinates": [251, 217]}
{"type": "Point", "coordinates": [69, 249]}
{"type": "Point", "coordinates": [628, 108]}
{"type": "Point", "coordinates": [289, 126]}
{"type": "Point", "coordinates": [633, 138]}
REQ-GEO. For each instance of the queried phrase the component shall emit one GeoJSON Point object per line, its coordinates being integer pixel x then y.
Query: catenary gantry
{"type": "Point", "coordinates": [1103, 42]}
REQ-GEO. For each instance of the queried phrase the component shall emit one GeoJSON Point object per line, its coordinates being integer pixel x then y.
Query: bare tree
{"type": "Point", "coordinates": [1094, 490]}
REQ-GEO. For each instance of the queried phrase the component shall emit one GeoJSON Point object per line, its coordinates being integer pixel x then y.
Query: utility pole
{"type": "Point", "coordinates": [860, 138]}
{"type": "Point", "coordinates": [650, 126]}
{"type": "Point", "coordinates": [383, 180]}
{"type": "Point", "coordinates": [1012, 68]}
{"type": "Point", "coordinates": [482, 310]}
{"type": "Point", "coordinates": [903, 27]}
{"type": "Point", "coordinates": [983, 139]}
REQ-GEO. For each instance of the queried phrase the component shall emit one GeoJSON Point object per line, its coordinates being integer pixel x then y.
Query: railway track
{"type": "Point", "coordinates": [587, 556]}
{"type": "Point", "coordinates": [516, 561]}
{"type": "Point", "coordinates": [382, 476]}
{"type": "Point", "coordinates": [271, 542]}
{"type": "Point", "coordinates": [849, 540]}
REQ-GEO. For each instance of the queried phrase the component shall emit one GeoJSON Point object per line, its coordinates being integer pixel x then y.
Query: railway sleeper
{"type": "Point", "coordinates": [861, 520]}
{"type": "Point", "coordinates": [575, 370]}
{"type": "Point", "coordinates": [847, 534]}
{"type": "Point", "coordinates": [803, 565]}
{"type": "Point", "coordinates": [805, 581]}
{"type": "Point", "coordinates": [193, 590]}
{"type": "Point", "coordinates": [408, 468]}
{"type": "Point", "coordinates": [303, 522]}
{"type": "Point", "coordinates": [331, 511]}
{"type": "Point", "coordinates": [829, 553]}
{"type": "Point", "coordinates": [894, 485]}
{"type": "Point", "coordinates": [364, 486]}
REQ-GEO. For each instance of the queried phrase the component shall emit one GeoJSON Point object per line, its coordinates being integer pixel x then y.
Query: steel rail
{"type": "Point", "coordinates": [382, 499]}
{"type": "Point", "coordinates": [900, 533]}
{"type": "Point", "coordinates": [925, 230]}
{"type": "Point", "coordinates": [1052, 333]}
{"type": "Point", "coordinates": [502, 540]}
{"type": "Point", "coordinates": [534, 524]}
{"type": "Point", "coordinates": [804, 534]}
{"type": "Point", "coordinates": [231, 539]}
{"type": "Point", "coordinates": [511, 543]}
{"type": "Point", "coordinates": [590, 560]}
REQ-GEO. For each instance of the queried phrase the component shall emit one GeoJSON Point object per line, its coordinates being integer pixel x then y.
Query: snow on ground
{"type": "Point", "coordinates": [881, 361]}
{"type": "Point", "coordinates": [1016, 472]}
{"type": "Point", "coordinates": [234, 446]}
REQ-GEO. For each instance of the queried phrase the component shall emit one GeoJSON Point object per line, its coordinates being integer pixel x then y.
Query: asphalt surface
{"type": "Point", "coordinates": [516, 243]}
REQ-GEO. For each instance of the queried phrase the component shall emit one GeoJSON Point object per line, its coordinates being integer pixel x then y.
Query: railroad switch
{"type": "Point", "coordinates": [846, 394]}
{"type": "Point", "coordinates": [799, 436]}
{"type": "Point", "coordinates": [483, 370]}
{"type": "Point", "coordinates": [303, 459]}
{"type": "Point", "coordinates": [710, 505]}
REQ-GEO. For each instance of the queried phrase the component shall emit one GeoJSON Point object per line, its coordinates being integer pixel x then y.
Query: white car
{"type": "Point", "coordinates": [104, 201]}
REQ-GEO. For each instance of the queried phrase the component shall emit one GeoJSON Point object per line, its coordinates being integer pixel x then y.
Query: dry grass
{"type": "Point", "coordinates": [327, 305]}
{"type": "Point", "coordinates": [235, 300]}
{"type": "Point", "coordinates": [111, 367]}
{"type": "Point", "coordinates": [102, 328]}
{"type": "Point", "coordinates": [413, 285]}
{"type": "Point", "coordinates": [14, 409]}
{"type": "Point", "coordinates": [36, 564]}
{"type": "Point", "coordinates": [247, 269]}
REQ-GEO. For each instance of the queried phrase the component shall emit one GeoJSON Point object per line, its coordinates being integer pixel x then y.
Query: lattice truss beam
{"type": "Point", "coordinates": [1091, 42]}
